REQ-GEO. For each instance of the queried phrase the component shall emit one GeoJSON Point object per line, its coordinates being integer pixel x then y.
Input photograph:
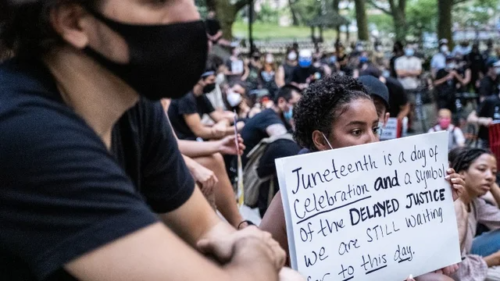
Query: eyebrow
{"type": "Point", "coordinates": [356, 123]}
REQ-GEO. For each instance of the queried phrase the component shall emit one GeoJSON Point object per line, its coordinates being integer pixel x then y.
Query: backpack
{"type": "Point", "coordinates": [251, 178]}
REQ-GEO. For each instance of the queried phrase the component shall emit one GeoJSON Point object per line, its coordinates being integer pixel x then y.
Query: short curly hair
{"type": "Point", "coordinates": [321, 104]}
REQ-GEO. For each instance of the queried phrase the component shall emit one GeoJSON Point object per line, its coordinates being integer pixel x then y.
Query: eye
{"type": "Point", "coordinates": [377, 130]}
{"type": "Point", "coordinates": [356, 132]}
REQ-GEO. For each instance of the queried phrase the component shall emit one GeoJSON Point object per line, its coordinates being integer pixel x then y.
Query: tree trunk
{"type": "Point", "coordinates": [295, 19]}
{"type": "Point", "coordinates": [361, 20]}
{"type": "Point", "coordinates": [399, 19]}
{"type": "Point", "coordinates": [445, 20]}
{"type": "Point", "coordinates": [227, 15]}
{"type": "Point", "coordinates": [336, 9]}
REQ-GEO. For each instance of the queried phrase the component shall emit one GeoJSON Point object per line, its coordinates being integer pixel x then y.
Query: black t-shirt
{"type": "Point", "coordinates": [63, 193]}
{"type": "Point", "coordinates": [489, 108]}
{"type": "Point", "coordinates": [255, 129]}
{"type": "Point", "coordinates": [189, 104]}
{"type": "Point", "coordinates": [397, 96]}
{"type": "Point", "coordinates": [476, 62]}
{"type": "Point", "coordinates": [489, 87]}
{"type": "Point", "coordinates": [213, 26]}
{"type": "Point", "coordinates": [301, 74]}
{"type": "Point", "coordinates": [392, 65]}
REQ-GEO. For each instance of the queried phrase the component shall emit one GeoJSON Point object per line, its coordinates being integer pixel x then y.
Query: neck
{"type": "Point", "coordinates": [277, 110]}
{"type": "Point", "coordinates": [197, 90]}
{"type": "Point", "coordinates": [95, 94]}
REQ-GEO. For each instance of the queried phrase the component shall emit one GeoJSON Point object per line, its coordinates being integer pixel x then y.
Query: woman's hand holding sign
{"type": "Point", "coordinates": [457, 183]}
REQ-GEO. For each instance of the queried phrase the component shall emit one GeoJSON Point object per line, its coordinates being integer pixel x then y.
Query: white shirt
{"type": "Point", "coordinates": [456, 137]}
{"type": "Point", "coordinates": [408, 64]}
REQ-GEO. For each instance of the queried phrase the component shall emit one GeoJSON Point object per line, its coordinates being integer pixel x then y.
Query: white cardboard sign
{"type": "Point", "coordinates": [380, 211]}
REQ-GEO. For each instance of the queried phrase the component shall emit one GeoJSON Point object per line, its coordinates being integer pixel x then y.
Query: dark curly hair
{"type": "Point", "coordinates": [25, 28]}
{"type": "Point", "coordinates": [321, 104]}
{"type": "Point", "coordinates": [465, 158]}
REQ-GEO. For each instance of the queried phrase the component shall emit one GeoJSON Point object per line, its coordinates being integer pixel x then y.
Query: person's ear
{"type": "Point", "coordinates": [69, 21]}
{"type": "Point", "coordinates": [386, 118]}
{"type": "Point", "coordinates": [319, 141]}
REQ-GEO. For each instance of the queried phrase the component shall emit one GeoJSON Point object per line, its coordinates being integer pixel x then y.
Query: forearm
{"type": "Point", "coordinates": [196, 220]}
{"type": "Point", "coordinates": [492, 260]}
{"type": "Point", "coordinates": [195, 149]}
{"type": "Point", "coordinates": [440, 81]}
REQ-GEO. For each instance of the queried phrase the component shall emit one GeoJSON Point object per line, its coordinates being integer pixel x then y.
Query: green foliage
{"type": "Point", "coordinates": [307, 10]}
{"type": "Point", "coordinates": [421, 15]}
{"type": "Point", "coordinates": [479, 11]}
{"type": "Point", "coordinates": [268, 15]}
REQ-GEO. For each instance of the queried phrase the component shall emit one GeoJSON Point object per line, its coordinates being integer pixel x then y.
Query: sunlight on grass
{"type": "Point", "coordinates": [263, 31]}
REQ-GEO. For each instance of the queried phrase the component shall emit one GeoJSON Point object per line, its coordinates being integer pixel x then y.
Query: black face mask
{"type": "Point", "coordinates": [165, 60]}
{"type": "Point", "coordinates": [208, 88]}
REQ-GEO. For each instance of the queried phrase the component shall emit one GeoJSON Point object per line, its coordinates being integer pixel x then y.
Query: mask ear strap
{"type": "Point", "coordinates": [328, 142]}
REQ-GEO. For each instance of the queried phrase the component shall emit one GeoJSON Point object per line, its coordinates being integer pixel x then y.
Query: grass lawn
{"type": "Point", "coordinates": [263, 31]}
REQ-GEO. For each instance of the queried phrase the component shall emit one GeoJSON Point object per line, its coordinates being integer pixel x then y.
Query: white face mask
{"type": "Point", "coordinates": [497, 70]}
{"type": "Point", "coordinates": [444, 49]}
{"type": "Point", "coordinates": [220, 78]}
{"type": "Point", "coordinates": [233, 98]}
{"type": "Point", "coordinates": [269, 59]}
{"type": "Point", "coordinates": [292, 56]}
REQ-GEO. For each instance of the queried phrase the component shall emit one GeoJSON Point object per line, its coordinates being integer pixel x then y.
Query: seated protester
{"type": "Point", "coordinates": [206, 165]}
{"type": "Point", "coordinates": [185, 113]}
{"type": "Point", "coordinates": [487, 112]}
{"type": "Point", "coordinates": [482, 254]}
{"type": "Point", "coordinates": [273, 121]}
{"type": "Point", "coordinates": [285, 70]}
{"type": "Point", "coordinates": [456, 136]}
{"type": "Point", "coordinates": [490, 84]}
{"type": "Point", "coordinates": [236, 69]}
{"type": "Point", "coordinates": [304, 72]}
{"type": "Point", "coordinates": [334, 113]}
{"type": "Point", "coordinates": [238, 101]}
{"type": "Point", "coordinates": [93, 185]}
{"type": "Point", "coordinates": [399, 105]}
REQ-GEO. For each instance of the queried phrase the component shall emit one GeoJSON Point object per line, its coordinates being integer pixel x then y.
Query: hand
{"type": "Point", "coordinates": [287, 274]}
{"type": "Point", "coordinates": [205, 177]}
{"type": "Point", "coordinates": [219, 130]}
{"type": "Point", "coordinates": [410, 278]}
{"type": "Point", "coordinates": [449, 270]}
{"type": "Point", "coordinates": [487, 122]}
{"type": "Point", "coordinates": [457, 183]}
{"type": "Point", "coordinates": [223, 247]}
{"type": "Point", "coordinates": [228, 146]}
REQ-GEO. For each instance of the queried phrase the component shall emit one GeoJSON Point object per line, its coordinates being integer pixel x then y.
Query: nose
{"type": "Point", "coordinates": [490, 176]}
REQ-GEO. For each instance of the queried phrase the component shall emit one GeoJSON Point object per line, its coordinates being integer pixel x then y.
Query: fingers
{"type": "Point", "coordinates": [410, 278]}
{"type": "Point", "coordinates": [218, 249]}
{"type": "Point", "coordinates": [287, 274]}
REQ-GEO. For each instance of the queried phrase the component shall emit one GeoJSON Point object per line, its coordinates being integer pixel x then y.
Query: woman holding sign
{"type": "Point", "coordinates": [482, 254]}
{"type": "Point", "coordinates": [334, 113]}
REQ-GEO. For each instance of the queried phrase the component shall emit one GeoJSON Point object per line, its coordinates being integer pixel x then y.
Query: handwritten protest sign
{"type": "Point", "coordinates": [380, 211]}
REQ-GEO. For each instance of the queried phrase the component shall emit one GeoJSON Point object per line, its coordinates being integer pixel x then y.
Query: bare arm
{"type": "Point", "coordinates": [222, 116]}
{"type": "Point", "coordinates": [194, 123]}
{"type": "Point", "coordinates": [276, 130]}
{"type": "Point", "coordinates": [280, 77]}
{"type": "Point", "coordinates": [442, 80]}
{"type": "Point", "coordinates": [155, 253]}
{"type": "Point", "coordinates": [483, 121]}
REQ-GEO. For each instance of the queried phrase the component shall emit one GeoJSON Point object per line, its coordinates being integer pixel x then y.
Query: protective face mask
{"type": "Point", "coordinates": [380, 128]}
{"type": "Point", "coordinates": [444, 123]}
{"type": "Point", "coordinates": [234, 99]}
{"type": "Point", "coordinates": [269, 59]}
{"type": "Point", "coordinates": [220, 78]}
{"type": "Point", "coordinates": [208, 88]}
{"type": "Point", "coordinates": [166, 60]}
{"type": "Point", "coordinates": [333, 59]}
{"type": "Point", "coordinates": [409, 52]}
{"type": "Point", "coordinates": [305, 62]}
{"type": "Point", "coordinates": [497, 70]}
{"type": "Point", "coordinates": [289, 114]}
{"type": "Point", "coordinates": [451, 66]}
{"type": "Point", "coordinates": [363, 59]}
{"type": "Point", "coordinates": [444, 49]}
{"type": "Point", "coordinates": [292, 56]}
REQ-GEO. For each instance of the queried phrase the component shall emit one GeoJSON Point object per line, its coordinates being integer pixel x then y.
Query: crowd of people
{"type": "Point", "coordinates": [121, 133]}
